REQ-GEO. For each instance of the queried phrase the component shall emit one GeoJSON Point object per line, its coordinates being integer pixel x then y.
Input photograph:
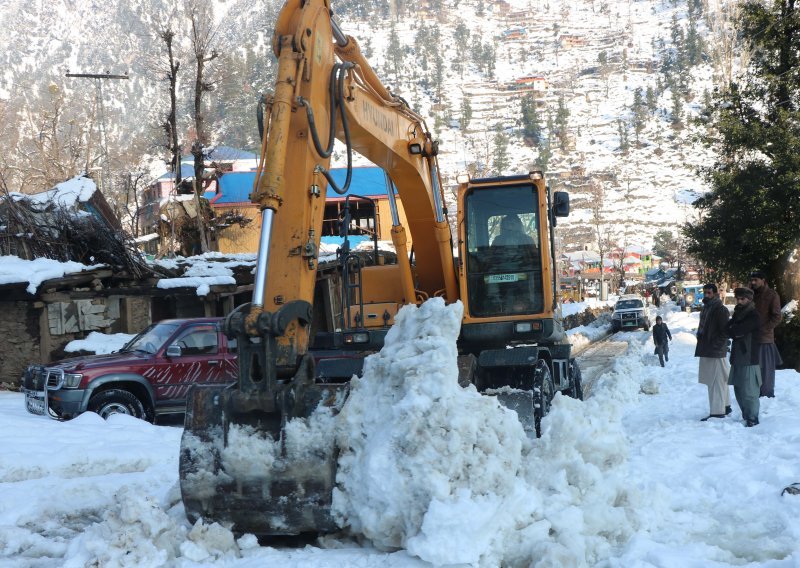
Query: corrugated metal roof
{"type": "Point", "coordinates": [235, 187]}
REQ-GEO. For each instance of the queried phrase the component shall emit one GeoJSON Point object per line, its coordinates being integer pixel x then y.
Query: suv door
{"type": "Point", "coordinates": [201, 361]}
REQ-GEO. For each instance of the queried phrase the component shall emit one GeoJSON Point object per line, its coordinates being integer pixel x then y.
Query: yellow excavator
{"type": "Point", "coordinates": [302, 338]}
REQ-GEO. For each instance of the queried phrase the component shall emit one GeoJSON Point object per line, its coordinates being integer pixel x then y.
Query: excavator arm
{"type": "Point", "coordinates": [324, 90]}
{"type": "Point", "coordinates": [318, 98]}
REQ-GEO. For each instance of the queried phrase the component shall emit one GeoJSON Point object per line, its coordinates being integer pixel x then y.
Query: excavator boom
{"type": "Point", "coordinates": [239, 463]}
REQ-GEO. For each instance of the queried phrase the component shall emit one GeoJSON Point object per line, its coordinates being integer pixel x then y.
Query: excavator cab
{"type": "Point", "coordinates": [503, 259]}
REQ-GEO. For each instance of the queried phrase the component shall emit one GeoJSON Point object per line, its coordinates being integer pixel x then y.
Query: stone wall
{"type": "Point", "coordinates": [19, 328]}
{"type": "Point", "coordinates": [585, 317]}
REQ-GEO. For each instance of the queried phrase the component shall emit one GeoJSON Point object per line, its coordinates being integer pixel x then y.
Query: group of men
{"type": "Point", "coordinates": [753, 355]}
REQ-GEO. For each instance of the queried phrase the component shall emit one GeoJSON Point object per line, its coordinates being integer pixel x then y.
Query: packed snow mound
{"type": "Point", "coordinates": [413, 442]}
{"type": "Point", "coordinates": [449, 474]}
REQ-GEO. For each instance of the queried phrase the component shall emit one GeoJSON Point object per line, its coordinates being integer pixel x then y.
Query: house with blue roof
{"type": "Point", "coordinates": [368, 202]}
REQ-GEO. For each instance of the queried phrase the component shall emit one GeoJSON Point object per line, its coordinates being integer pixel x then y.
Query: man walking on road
{"type": "Point", "coordinates": [768, 306]}
{"type": "Point", "coordinates": [660, 339]}
{"type": "Point", "coordinates": [712, 349]}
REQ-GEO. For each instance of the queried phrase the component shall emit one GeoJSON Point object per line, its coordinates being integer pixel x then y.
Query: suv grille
{"type": "Point", "coordinates": [37, 377]}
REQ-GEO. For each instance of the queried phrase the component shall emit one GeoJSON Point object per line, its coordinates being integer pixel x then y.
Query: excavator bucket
{"type": "Point", "coordinates": [259, 456]}
{"type": "Point", "coordinates": [240, 468]}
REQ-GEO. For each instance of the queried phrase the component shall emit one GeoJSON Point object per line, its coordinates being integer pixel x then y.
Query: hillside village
{"type": "Point", "coordinates": [586, 59]}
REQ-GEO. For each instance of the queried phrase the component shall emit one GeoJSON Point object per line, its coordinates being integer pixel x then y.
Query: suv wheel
{"type": "Point", "coordinates": [116, 401]}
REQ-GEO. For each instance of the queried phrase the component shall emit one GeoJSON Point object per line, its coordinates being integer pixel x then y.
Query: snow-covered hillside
{"type": "Point", "coordinates": [449, 58]}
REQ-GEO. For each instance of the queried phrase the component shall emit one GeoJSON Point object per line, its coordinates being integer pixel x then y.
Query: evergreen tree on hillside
{"type": "Point", "coordinates": [622, 130]}
{"type": "Point", "coordinates": [545, 146]}
{"type": "Point", "coordinates": [561, 123]}
{"type": "Point", "coordinates": [751, 216]}
{"type": "Point", "coordinates": [531, 128]}
{"type": "Point", "coordinates": [500, 161]}
{"type": "Point", "coordinates": [639, 110]}
{"type": "Point", "coordinates": [677, 107]}
{"type": "Point", "coordinates": [466, 115]}
{"type": "Point", "coordinates": [461, 38]}
{"type": "Point", "coordinates": [651, 100]}
{"type": "Point", "coordinates": [394, 52]}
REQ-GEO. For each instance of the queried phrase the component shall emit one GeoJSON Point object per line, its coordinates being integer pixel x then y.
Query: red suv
{"type": "Point", "coordinates": [148, 377]}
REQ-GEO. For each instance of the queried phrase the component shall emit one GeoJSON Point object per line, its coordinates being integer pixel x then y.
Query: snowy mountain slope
{"type": "Point", "coordinates": [591, 56]}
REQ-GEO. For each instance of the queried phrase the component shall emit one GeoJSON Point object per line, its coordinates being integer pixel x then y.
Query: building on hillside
{"type": "Point", "coordinates": [535, 83]}
{"type": "Point", "coordinates": [516, 32]}
{"type": "Point", "coordinates": [368, 201]}
{"type": "Point", "coordinates": [572, 40]}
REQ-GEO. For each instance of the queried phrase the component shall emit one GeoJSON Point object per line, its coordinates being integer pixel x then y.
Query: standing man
{"type": "Point", "coordinates": [768, 306]}
{"type": "Point", "coordinates": [745, 375]}
{"type": "Point", "coordinates": [712, 348]}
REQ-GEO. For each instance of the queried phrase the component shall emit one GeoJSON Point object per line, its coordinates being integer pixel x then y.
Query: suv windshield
{"type": "Point", "coordinates": [628, 304]}
{"type": "Point", "coordinates": [152, 338]}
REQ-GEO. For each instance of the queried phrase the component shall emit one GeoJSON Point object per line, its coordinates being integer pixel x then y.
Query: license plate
{"type": "Point", "coordinates": [498, 278]}
{"type": "Point", "coordinates": [629, 323]}
{"type": "Point", "coordinates": [34, 402]}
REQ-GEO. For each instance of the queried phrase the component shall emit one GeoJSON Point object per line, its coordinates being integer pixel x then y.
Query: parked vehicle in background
{"type": "Point", "coordinates": [630, 313]}
{"type": "Point", "coordinates": [692, 297]}
{"type": "Point", "coordinates": [148, 377]}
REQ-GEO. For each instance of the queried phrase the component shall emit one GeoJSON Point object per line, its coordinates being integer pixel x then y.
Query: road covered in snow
{"type": "Point", "coordinates": [441, 475]}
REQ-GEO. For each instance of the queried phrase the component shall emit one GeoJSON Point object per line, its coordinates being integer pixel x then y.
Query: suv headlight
{"type": "Point", "coordinates": [616, 316]}
{"type": "Point", "coordinates": [72, 380]}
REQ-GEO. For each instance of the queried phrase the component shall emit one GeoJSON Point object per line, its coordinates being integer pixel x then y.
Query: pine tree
{"type": "Point", "coordinates": [466, 114]}
{"type": "Point", "coordinates": [461, 38]}
{"type": "Point", "coordinates": [622, 130]}
{"type": "Point", "coordinates": [751, 216]}
{"type": "Point", "coordinates": [639, 113]}
{"type": "Point", "coordinates": [531, 128]}
{"type": "Point", "coordinates": [562, 124]}
{"type": "Point", "coordinates": [677, 107]}
{"type": "Point", "coordinates": [500, 164]}
{"type": "Point", "coordinates": [394, 52]}
{"type": "Point", "coordinates": [650, 97]}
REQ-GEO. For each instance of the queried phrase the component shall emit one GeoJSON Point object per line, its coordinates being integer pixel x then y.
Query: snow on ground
{"type": "Point", "coordinates": [629, 477]}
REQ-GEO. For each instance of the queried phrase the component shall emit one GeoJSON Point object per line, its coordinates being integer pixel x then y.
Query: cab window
{"type": "Point", "coordinates": [503, 256]}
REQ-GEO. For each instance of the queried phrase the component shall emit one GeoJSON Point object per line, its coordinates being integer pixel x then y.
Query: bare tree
{"type": "Point", "coordinates": [170, 124]}
{"type": "Point", "coordinates": [203, 39]}
{"type": "Point", "coordinates": [52, 146]}
{"type": "Point", "coordinates": [726, 49]}
{"type": "Point", "coordinates": [600, 227]}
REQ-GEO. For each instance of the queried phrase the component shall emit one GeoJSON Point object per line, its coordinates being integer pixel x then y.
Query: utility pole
{"type": "Point", "coordinates": [98, 81]}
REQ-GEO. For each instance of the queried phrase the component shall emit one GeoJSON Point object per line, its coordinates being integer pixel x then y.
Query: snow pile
{"type": "Point", "coordinates": [449, 475]}
{"type": "Point", "coordinates": [412, 439]}
{"type": "Point", "coordinates": [201, 275]}
{"type": "Point", "coordinates": [66, 194]}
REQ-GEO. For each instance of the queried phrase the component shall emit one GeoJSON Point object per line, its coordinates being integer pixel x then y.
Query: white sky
{"type": "Point", "coordinates": [629, 477]}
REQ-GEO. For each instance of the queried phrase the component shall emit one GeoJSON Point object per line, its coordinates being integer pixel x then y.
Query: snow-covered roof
{"type": "Point", "coordinates": [66, 194]}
